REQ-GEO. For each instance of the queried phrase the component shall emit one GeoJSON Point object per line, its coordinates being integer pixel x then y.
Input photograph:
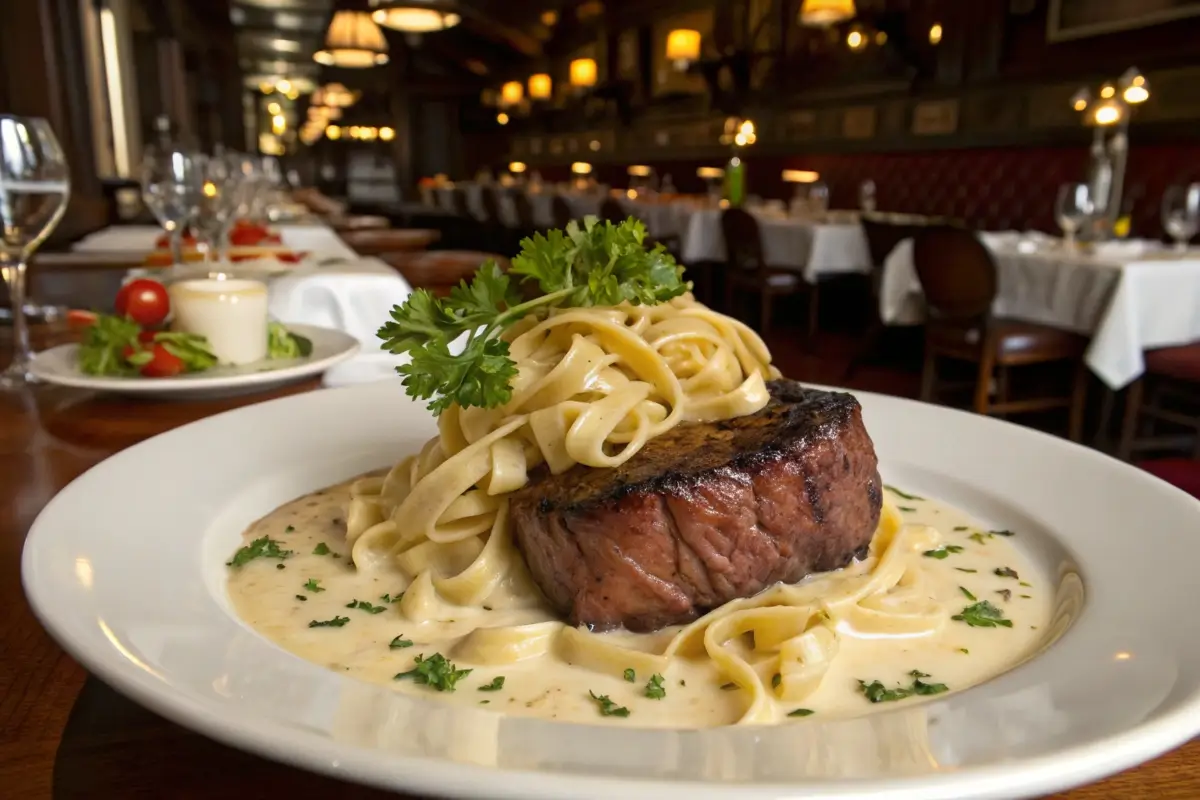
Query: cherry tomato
{"type": "Point", "coordinates": [146, 337]}
{"type": "Point", "coordinates": [78, 319]}
{"type": "Point", "coordinates": [162, 364]}
{"type": "Point", "coordinates": [143, 301]}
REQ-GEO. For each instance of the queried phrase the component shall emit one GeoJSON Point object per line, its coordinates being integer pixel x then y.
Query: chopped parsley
{"type": "Point", "coordinates": [905, 495]}
{"type": "Point", "coordinates": [280, 566]}
{"type": "Point", "coordinates": [289, 529]}
{"type": "Point", "coordinates": [964, 650]}
{"type": "Point", "coordinates": [436, 672]}
{"type": "Point", "coordinates": [1006, 572]}
{"type": "Point", "coordinates": [965, 569]}
{"type": "Point", "coordinates": [630, 675]}
{"type": "Point", "coordinates": [801, 712]}
{"type": "Point", "coordinates": [1005, 594]}
{"type": "Point", "coordinates": [776, 679]}
{"type": "Point", "coordinates": [302, 598]}
{"type": "Point", "coordinates": [399, 642]}
{"type": "Point", "coordinates": [654, 687]}
{"type": "Point", "coordinates": [363, 605]}
{"type": "Point", "coordinates": [336, 622]}
{"type": "Point", "coordinates": [983, 615]}
{"type": "Point", "coordinates": [323, 550]}
{"type": "Point", "coordinates": [607, 707]}
{"type": "Point", "coordinates": [265, 547]}
{"type": "Point", "coordinates": [966, 593]}
{"type": "Point", "coordinates": [1025, 597]}
{"type": "Point", "coordinates": [1027, 585]}
{"type": "Point", "coordinates": [876, 692]}
{"type": "Point", "coordinates": [1001, 533]}
{"type": "Point", "coordinates": [961, 528]}
{"type": "Point", "coordinates": [943, 552]}
{"type": "Point", "coordinates": [978, 536]}
{"type": "Point", "coordinates": [392, 598]}
{"type": "Point", "coordinates": [313, 585]}
{"type": "Point", "coordinates": [496, 685]}
{"type": "Point", "coordinates": [906, 508]}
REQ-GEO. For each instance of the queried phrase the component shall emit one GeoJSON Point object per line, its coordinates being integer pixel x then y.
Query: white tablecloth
{"type": "Point", "coordinates": [319, 240]}
{"type": "Point", "coordinates": [1128, 296]}
{"type": "Point", "coordinates": [814, 248]}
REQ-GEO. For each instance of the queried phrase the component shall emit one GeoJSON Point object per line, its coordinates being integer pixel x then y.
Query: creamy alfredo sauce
{"type": "Point", "coordinates": [316, 585]}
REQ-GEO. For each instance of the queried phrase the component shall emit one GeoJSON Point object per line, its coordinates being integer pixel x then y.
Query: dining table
{"type": "Point", "coordinates": [65, 734]}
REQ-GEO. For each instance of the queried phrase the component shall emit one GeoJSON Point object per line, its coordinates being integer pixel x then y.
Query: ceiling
{"type": "Point", "coordinates": [277, 38]}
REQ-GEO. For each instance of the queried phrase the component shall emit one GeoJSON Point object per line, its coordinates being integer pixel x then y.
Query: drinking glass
{"type": "Point", "coordinates": [1073, 209]}
{"type": "Point", "coordinates": [171, 186]}
{"type": "Point", "coordinates": [219, 189]}
{"type": "Point", "coordinates": [34, 189]}
{"type": "Point", "coordinates": [1181, 213]}
{"type": "Point", "coordinates": [866, 195]}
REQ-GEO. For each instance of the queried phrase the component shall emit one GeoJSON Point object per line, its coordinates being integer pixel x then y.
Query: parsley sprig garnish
{"type": "Point", "coordinates": [364, 605]}
{"type": "Point", "coordinates": [654, 687]}
{"type": "Point", "coordinates": [876, 692]}
{"type": "Point", "coordinates": [607, 707]}
{"type": "Point", "coordinates": [264, 547]}
{"type": "Point", "coordinates": [496, 685]}
{"type": "Point", "coordinates": [436, 672]}
{"type": "Point", "coordinates": [596, 264]}
{"type": "Point", "coordinates": [982, 615]}
{"type": "Point", "coordinates": [336, 622]}
{"type": "Point", "coordinates": [943, 552]}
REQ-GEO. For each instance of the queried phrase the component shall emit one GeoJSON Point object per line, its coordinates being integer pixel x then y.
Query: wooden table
{"type": "Point", "coordinates": [64, 734]}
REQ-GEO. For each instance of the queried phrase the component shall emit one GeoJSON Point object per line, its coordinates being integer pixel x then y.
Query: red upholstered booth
{"type": "Point", "coordinates": [1183, 473]}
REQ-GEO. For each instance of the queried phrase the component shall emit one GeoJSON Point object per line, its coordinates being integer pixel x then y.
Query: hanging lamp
{"type": "Point", "coordinates": [353, 41]}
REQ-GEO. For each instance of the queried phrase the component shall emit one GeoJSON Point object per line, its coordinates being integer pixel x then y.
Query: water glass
{"type": "Point", "coordinates": [866, 196]}
{"type": "Point", "coordinates": [1073, 208]}
{"type": "Point", "coordinates": [34, 189]}
{"type": "Point", "coordinates": [171, 187]}
{"type": "Point", "coordinates": [1181, 213]}
{"type": "Point", "coordinates": [219, 200]}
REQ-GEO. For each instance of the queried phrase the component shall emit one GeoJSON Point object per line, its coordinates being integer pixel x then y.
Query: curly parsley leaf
{"type": "Point", "coordinates": [313, 585]}
{"type": "Point", "coordinates": [983, 615]}
{"type": "Point", "coordinates": [942, 552]}
{"type": "Point", "coordinates": [607, 707]}
{"type": "Point", "coordinates": [596, 264]}
{"type": "Point", "coordinates": [654, 687]}
{"type": "Point", "coordinates": [496, 685]}
{"type": "Point", "coordinates": [630, 675]}
{"type": "Point", "coordinates": [436, 672]}
{"type": "Point", "coordinates": [336, 622]}
{"type": "Point", "coordinates": [364, 605]}
{"type": "Point", "coordinates": [264, 547]}
{"type": "Point", "coordinates": [399, 642]}
{"type": "Point", "coordinates": [876, 692]}
{"type": "Point", "coordinates": [801, 712]}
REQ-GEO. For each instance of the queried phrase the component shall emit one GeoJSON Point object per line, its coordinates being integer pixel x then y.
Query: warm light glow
{"type": "Point", "coordinates": [517, 167]}
{"type": "Point", "coordinates": [594, 145]}
{"type": "Point", "coordinates": [274, 108]}
{"type": "Point", "coordinates": [583, 72]}
{"type": "Point", "coordinates": [881, 38]}
{"type": "Point", "coordinates": [746, 134]}
{"type": "Point", "coordinates": [683, 46]}
{"type": "Point", "coordinates": [710, 173]}
{"type": "Point", "coordinates": [502, 118]}
{"type": "Point", "coordinates": [387, 134]}
{"type": "Point", "coordinates": [333, 132]}
{"type": "Point", "coordinates": [1137, 94]}
{"type": "Point", "coordinates": [855, 40]}
{"type": "Point", "coordinates": [822, 13]}
{"type": "Point", "coordinates": [540, 86]}
{"type": "Point", "coordinates": [935, 33]}
{"type": "Point", "coordinates": [1107, 91]}
{"type": "Point", "coordinates": [800, 176]}
{"type": "Point", "coordinates": [638, 171]}
{"type": "Point", "coordinates": [210, 189]}
{"type": "Point", "coordinates": [631, 194]}
{"type": "Point", "coordinates": [278, 124]}
{"type": "Point", "coordinates": [413, 19]}
{"type": "Point", "coordinates": [284, 86]}
{"type": "Point", "coordinates": [549, 18]}
{"type": "Point", "coordinates": [511, 93]}
{"type": "Point", "coordinates": [489, 98]}
{"type": "Point", "coordinates": [581, 168]}
{"type": "Point", "coordinates": [1108, 114]}
{"type": "Point", "coordinates": [1081, 104]}
{"type": "Point", "coordinates": [334, 95]}
{"type": "Point", "coordinates": [353, 41]}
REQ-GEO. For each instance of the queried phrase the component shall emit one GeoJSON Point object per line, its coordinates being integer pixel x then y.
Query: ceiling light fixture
{"type": "Point", "coordinates": [583, 72]}
{"type": "Point", "coordinates": [512, 93]}
{"type": "Point", "coordinates": [416, 16]}
{"type": "Point", "coordinates": [540, 86]}
{"type": "Point", "coordinates": [683, 47]}
{"type": "Point", "coordinates": [823, 13]}
{"type": "Point", "coordinates": [354, 41]}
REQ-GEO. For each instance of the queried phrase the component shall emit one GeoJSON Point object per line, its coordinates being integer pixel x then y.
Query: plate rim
{"type": "Point", "coordinates": [1068, 767]}
{"type": "Point", "coordinates": [349, 347]}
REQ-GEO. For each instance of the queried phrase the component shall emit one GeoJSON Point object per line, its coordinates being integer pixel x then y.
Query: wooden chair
{"type": "Point", "coordinates": [882, 238]}
{"type": "Point", "coordinates": [460, 203]}
{"type": "Point", "coordinates": [560, 211]}
{"type": "Point", "coordinates": [749, 272]}
{"type": "Point", "coordinates": [391, 240]}
{"type": "Point", "coordinates": [958, 277]}
{"type": "Point", "coordinates": [1168, 391]}
{"type": "Point", "coordinates": [524, 210]}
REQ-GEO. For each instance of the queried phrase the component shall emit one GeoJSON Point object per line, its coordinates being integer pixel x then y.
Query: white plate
{"type": "Point", "coordinates": [135, 591]}
{"type": "Point", "coordinates": [60, 365]}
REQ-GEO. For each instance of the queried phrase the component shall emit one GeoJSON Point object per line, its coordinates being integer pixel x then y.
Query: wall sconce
{"type": "Point", "coordinates": [710, 173]}
{"type": "Point", "coordinates": [581, 168]}
{"type": "Point", "coordinates": [823, 13]}
{"type": "Point", "coordinates": [502, 118]}
{"type": "Point", "coordinates": [387, 134]}
{"type": "Point", "coordinates": [638, 171]}
{"type": "Point", "coordinates": [512, 93]}
{"type": "Point", "coordinates": [800, 176]}
{"type": "Point", "coordinates": [540, 86]}
{"type": "Point", "coordinates": [517, 167]}
{"type": "Point", "coordinates": [683, 47]}
{"type": "Point", "coordinates": [935, 34]}
{"type": "Point", "coordinates": [583, 72]}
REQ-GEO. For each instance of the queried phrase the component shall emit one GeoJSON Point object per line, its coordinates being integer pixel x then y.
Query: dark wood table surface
{"type": "Point", "coordinates": [65, 734]}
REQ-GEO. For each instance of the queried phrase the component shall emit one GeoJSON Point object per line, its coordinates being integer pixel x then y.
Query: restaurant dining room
{"type": "Point", "coordinates": [551, 399]}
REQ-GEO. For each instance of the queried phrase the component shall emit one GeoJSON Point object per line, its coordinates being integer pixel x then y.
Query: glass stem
{"type": "Point", "coordinates": [14, 276]}
{"type": "Point", "coordinates": [177, 245]}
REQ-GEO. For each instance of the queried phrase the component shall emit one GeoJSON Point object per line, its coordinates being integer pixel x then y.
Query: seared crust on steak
{"type": "Point", "coordinates": [705, 513]}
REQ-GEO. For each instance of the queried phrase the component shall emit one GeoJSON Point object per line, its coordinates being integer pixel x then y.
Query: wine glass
{"type": "Point", "coordinates": [1181, 213]}
{"type": "Point", "coordinates": [171, 186]}
{"type": "Point", "coordinates": [34, 188]}
{"type": "Point", "coordinates": [866, 195]}
{"type": "Point", "coordinates": [219, 189]}
{"type": "Point", "coordinates": [1072, 210]}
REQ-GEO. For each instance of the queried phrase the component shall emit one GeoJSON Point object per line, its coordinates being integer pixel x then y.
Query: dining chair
{"type": "Point", "coordinates": [749, 272]}
{"type": "Point", "coordinates": [958, 277]}
{"type": "Point", "coordinates": [611, 210]}
{"type": "Point", "coordinates": [460, 203]}
{"type": "Point", "coordinates": [1167, 392]}
{"type": "Point", "coordinates": [560, 211]}
{"type": "Point", "coordinates": [524, 210]}
{"type": "Point", "coordinates": [883, 236]}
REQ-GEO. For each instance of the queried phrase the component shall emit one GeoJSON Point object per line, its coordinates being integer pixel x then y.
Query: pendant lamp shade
{"type": "Point", "coordinates": [822, 13]}
{"type": "Point", "coordinates": [353, 41]}
{"type": "Point", "coordinates": [416, 16]}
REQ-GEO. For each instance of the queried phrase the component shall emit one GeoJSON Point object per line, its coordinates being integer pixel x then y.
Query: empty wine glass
{"type": "Point", "coordinates": [218, 204]}
{"type": "Point", "coordinates": [171, 186]}
{"type": "Point", "coordinates": [1181, 213]}
{"type": "Point", "coordinates": [1073, 209]}
{"type": "Point", "coordinates": [34, 189]}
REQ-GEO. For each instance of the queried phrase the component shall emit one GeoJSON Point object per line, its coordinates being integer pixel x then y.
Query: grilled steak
{"type": "Point", "coordinates": [705, 513]}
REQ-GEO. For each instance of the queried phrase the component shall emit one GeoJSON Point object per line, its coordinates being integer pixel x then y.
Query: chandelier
{"type": "Point", "coordinates": [416, 16]}
{"type": "Point", "coordinates": [353, 40]}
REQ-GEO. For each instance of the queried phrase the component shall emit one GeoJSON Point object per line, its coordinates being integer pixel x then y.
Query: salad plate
{"type": "Point", "coordinates": [60, 365]}
{"type": "Point", "coordinates": [145, 606]}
